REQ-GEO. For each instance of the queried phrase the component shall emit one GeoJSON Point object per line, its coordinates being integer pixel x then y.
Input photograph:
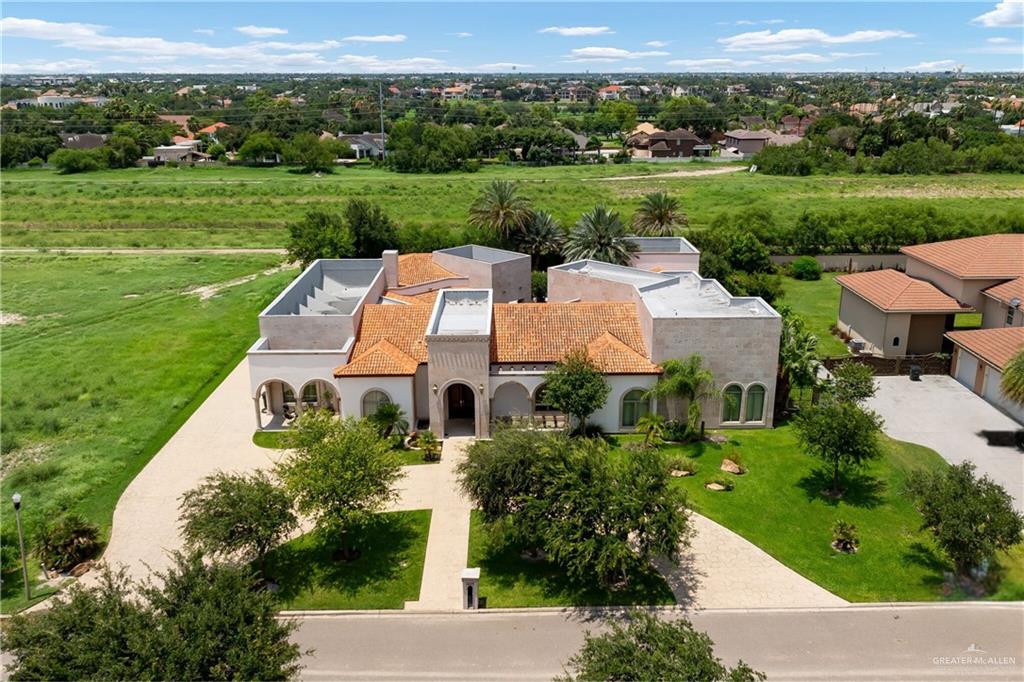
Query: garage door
{"type": "Point", "coordinates": [994, 394]}
{"type": "Point", "coordinates": [966, 368]}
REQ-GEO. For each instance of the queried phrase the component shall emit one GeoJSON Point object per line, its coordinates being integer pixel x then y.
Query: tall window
{"type": "Point", "coordinates": [634, 405]}
{"type": "Point", "coordinates": [731, 399]}
{"type": "Point", "coordinates": [755, 404]}
{"type": "Point", "coordinates": [1009, 316]}
{"type": "Point", "coordinates": [541, 401]}
{"type": "Point", "coordinates": [287, 394]}
{"type": "Point", "coordinates": [372, 400]}
{"type": "Point", "coordinates": [309, 396]}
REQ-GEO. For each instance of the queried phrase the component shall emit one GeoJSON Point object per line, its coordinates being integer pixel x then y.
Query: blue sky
{"type": "Point", "coordinates": [41, 37]}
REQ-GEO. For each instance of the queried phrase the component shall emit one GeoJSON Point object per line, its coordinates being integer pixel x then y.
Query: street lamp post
{"type": "Point", "coordinates": [16, 499]}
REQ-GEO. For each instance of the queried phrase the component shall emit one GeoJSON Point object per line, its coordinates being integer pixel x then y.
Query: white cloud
{"type": "Point", "coordinates": [204, 31]}
{"type": "Point", "coordinates": [797, 58]}
{"type": "Point", "coordinates": [999, 41]}
{"type": "Point", "coordinates": [61, 66]}
{"type": "Point", "coordinates": [711, 64]}
{"type": "Point", "coordinates": [577, 30]}
{"type": "Point", "coordinates": [260, 31]}
{"type": "Point", "coordinates": [608, 54]}
{"type": "Point", "coordinates": [307, 46]}
{"type": "Point", "coordinates": [1007, 14]}
{"type": "Point", "coordinates": [730, 64]}
{"type": "Point", "coordinates": [939, 65]}
{"type": "Point", "coordinates": [374, 64]}
{"type": "Point", "coordinates": [657, 43]}
{"type": "Point", "coordinates": [791, 38]}
{"type": "Point", "coordinates": [503, 66]}
{"type": "Point", "coordinates": [13, 27]}
{"type": "Point", "coordinates": [383, 38]}
{"type": "Point", "coordinates": [749, 22]}
{"type": "Point", "coordinates": [460, 34]}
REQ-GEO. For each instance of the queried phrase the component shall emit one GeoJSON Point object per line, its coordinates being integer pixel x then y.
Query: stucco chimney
{"type": "Point", "coordinates": [390, 258]}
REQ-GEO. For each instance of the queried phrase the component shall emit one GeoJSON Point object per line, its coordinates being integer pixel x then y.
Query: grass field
{"type": "Point", "coordinates": [778, 506]}
{"type": "Point", "coordinates": [386, 574]}
{"type": "Point", "coordinates": [509, 580]}
{"type": "Point", "coordinates": [818, 303]}
{"type": "Point", "coordinates": [224, 207]}
{"type": "Point", "coordinates": [104, 357]}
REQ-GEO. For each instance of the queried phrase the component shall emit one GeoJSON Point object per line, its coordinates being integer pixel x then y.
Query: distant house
{"type": "Point", "coordinates": [611, 92]}
{"type": "Point", "coordinates": [179, 153]}
{"type": "Point", "coordinates": [795, 125]}
{"type": "Point", "coordinates": [83, 140]}
{"type": "Point", "coordinates": [179, 120]}
{"type": "Point", "coordinates": [575, 93]}
{"type": "Point", "coordinates": [212, 129]}
{"type": "Point", "coordinates": [456, 92]}
{"type": "Point", "coordinates": [366, 145]}
{"type": "Point", "coordinates": [672, 144]}
{"type": "Point", "coordinates": [745, 142]}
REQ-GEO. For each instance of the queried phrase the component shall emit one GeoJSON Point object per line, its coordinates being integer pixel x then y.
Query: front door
{"type": "Point", "coordinates": [460, 402]}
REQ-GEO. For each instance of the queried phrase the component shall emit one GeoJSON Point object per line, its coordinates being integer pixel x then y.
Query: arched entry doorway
{"type": "Point", "coordinates": [459, 410]}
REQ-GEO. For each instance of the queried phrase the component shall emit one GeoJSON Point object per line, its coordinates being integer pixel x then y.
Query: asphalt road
{"type": "Point", "coordinates": [913, 642]}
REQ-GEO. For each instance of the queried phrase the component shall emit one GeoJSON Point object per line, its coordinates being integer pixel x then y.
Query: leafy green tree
{"type": "Point", "coordinates": [194, 622]}
{"type": "Point", "coordinates": [389, 418]}
{"type": "Point", "coordinates": [646, 648]}
{"type": "Point", "coordinates": [372, 229]}
{"type": "Point", "coordinates": [599, 235]}
{"type": "Point", "coordinates": [841, 434]}
{"type": "Point", "coordinates": [577, 387]}
{"type": "Point", "coordinates": [658, 216]}
{"type": "Point", "coordinates": [69, 161]}
{"type": "Point", "coordinates": [798, 358]}
{"type": "Point", "coordinates": [688, 382]}
{"type": "Point", "coordinates": [621, 114]}
{"type": "Point", "coordinates": [261, 147]}
{"type": "Point", "coordinates": [971, 518]}
{"type": "Point", "coordinates": [747, 253]}
{"type": "Point", "coordinates": [310, 152]}
{"type": "Point", "coordinates": [539, 286]}
{"type": "Point", "coordinates": [236, 516]}
{"type": "Point", "coordinates": [763, 284]}
{"type": "Point", "coordinates": [501, 209]}
{"type": "Point", "coordinates": [121, 151]}
{"type": "Point", "coordinates": [853, 382]}
{"type": "Point", "coordinates": [540, 236]}
{"type": "Point", "coordinates": [340, 472]}
{"type": "Point", "coordinates": [320, 234]}
{"type": "Point", "coordinates": [1012, 383]}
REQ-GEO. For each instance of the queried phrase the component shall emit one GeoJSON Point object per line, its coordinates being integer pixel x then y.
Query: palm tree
{"type": "Point", "coordinates": [658, 216]}
{"type": "Point", "coordinates": [501, 208]}
{"type": "Point", "coordinates": [686, 380]}
{"type": "Point", "coordinates": [1013, 379]}
{"type": "Point", "coordinates": [652, 426]}
{"type": "Point", "coordinates": [798, 359]}
{"type": "Point", "coordinates": [389, 418]}
{"type": "Point", "coordinates": [540, 236]}
{"type": "Point", "coordinates": [599, 235]}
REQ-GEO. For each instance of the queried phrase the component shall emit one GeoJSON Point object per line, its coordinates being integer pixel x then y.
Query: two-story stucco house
{"type": "Point", "coordinates": [452, 338]}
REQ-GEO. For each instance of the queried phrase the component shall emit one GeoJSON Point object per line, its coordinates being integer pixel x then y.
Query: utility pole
{"type": "Point", "coordinates": [383, 140]}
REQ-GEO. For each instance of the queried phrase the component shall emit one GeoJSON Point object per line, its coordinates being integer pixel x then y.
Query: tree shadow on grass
{"type": "Point", "coordinates": [309, 563]}
{"type": "Point", "coordinates": [920, 554]}
{"type": "Point", "coordinates": [859, 488]}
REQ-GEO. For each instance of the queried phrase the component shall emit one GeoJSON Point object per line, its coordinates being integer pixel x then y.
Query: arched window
{"type": "Point", "coordinates": [540, 403]}
{"type": "Point", "coordinates": [731, 399]}
{"type": "Point", "coordinates": [634, 405]}
{"type": "Point", "coordinates": [372, 400]}
{"type": "Point", "coordinates": [309, 396]}
{"type": "Point", "coordinates": [287, 394]}
{"type": "Point", "coordinates": [755, 403]}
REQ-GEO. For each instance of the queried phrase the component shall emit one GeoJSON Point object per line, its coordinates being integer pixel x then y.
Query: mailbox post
{"type": "Point", "coordinates": [471, 588]}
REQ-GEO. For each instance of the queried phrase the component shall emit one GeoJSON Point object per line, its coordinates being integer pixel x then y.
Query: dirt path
{"type": "Point", "coordinates": [673, 174]}
{"type": "Point", "coordinates": [208, 291]}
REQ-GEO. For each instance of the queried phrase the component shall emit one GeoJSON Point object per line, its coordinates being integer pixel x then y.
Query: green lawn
{"type": "Point", "coordinates": [778, 506]}
{"type": "Point", "coordinates": [387, 573]}
{"type": "Point", "coordinates": [105, 361]}
{"type": "Point", "coordinates": [509, 580]}
{"type": "Point", "coordinates": [967, 321]}
{"type": "Point", "coordinates": [818, 303]}
{"type": "Point", "coordinates": [237, 206]}
{"type": "Point", "coordinates": [275, 440]}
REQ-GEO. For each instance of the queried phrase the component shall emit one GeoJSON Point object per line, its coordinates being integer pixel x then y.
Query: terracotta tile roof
{"type": "Point", "coordinates": [545, 332]}
{"type": "Point", "coordinates": [1007, 291]}
{"type": "Point", "coordinates": [211, 129]}
{"type": "Point", "coordinates": [989, 256]}
{"type": "Point", "coordinates": [995, 346]}
{"type": "Point", "coordinates": [402, 326]}
{"type": "Point", "coordinates": [420, 268]}
{"type": "Point", "coordinates": [426, 298]}
{"type": "Point", "coordinates": [381, 359]}
{"type": "Point", "coordinates": [895, 292]}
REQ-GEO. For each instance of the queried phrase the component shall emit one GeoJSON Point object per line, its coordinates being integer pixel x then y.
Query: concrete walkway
{"type": "Point", "coordinates": [448, 542]}
{"type": "Point", "coordinates": [940, 413]}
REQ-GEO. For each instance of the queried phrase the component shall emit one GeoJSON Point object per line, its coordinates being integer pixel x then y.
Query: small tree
{"type": "Point", "coordinates": [1012, 383]}
{"type": "Point", "coordinates": [261, 148]}
{"type": "Point", "coordinates": [430, 445]}
{"type": "Point", "coordinates": [389, 418]}
{"type": "Point", "coordinates": [320, 234]}
{"type": "Point", "coordinates": [688, 381]}
{"type": "Point", "coordinates": [577, 387]}
{"type": "Point", "coordinates": [599, 235]}
{"type": "Point", "coordinates": [501, 209]}
{"type": "Point", "coordinates": [652, 426]}
{"type": "Point", "coordinates": [372, 230]}
{"type": "Point", "coordinates": [646, 648]}
{"type": "Point", "coordinates": [195, 622]}
{"type": "Point", "coordinates": [841, 434]}
{"type": "Point", "coordinates": [853, 382]}
{"type": "Point", "coordinates": [971, 518]}
{"type": "Point", "coordinates": [340, 472]}
{"type": "Point", "coordinates": [798, 358]}
{"type": "Point", "coordinates": [309, 152]}
{"type": "Point", "coordinates": [236, 516]}
{"type": "Point", "coordinates": [658, 215]}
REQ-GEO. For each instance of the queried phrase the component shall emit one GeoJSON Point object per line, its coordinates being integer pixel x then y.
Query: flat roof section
{"type": "Point", "coordinates": [485, 254]}
{"type": "Point", "coordinates": [663, 245]}
{"type": "Point", "coordinates": [461, 312]}
{"type": "Point", "coordinates": [616, 273]}
{"type": "Point", "coordinates": [327, 287]}
{"type": "Point", "coordinates": [691, 295]}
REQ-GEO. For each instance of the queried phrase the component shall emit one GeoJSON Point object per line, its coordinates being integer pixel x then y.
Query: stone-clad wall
{"type": "Point", "coordinates": [463, 359]}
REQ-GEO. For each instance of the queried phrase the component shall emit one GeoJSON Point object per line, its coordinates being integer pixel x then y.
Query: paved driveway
{"type": "Point", "coordinates": [946, 416]}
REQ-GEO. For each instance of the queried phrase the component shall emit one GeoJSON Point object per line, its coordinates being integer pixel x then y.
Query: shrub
{"type": "Point", "coordinates": [66, 541]}
{"type": "Point", "coordinates": [768, 287]}
{"type": "Point", "coordinates": [805, 268]}
{"type": "Point", "coordinates": [539, 286]}
{"type": "Point", "coordinates": [791, 160]}
{"type": "Point", "coordinates": [69, 161]}
{"type": "Point", "coordinates": [722, 481]}
{"type": "Point", "coordinates": [677, 431]}
{"type": "Point", "coordinates": [844, 537]}
{"type": "Point", "coordinates": [430, 445]}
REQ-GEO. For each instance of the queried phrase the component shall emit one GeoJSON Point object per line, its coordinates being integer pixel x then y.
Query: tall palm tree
{"type": "Point", "coordinates": [1013, 379]}
{"type": "Point", "coordinates": [599, 235]}
{"type": "Point", "coordinates": [540, 236]}
{"type": "Point", "coordinates": [501, 208]}
{"type": "Point", "coordinates": [798, 359]}
{"type": "Point", "coordinates": [686, 380]}
{"type": "Point", "coordinates": [658, 216]}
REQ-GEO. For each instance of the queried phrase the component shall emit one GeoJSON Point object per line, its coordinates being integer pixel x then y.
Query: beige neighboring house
{"type": "Point", "coordinates": [749, 142]}
{"type": "Point", "coordinates": [979, 358]}
{"type": "Point", "coordinates": [887, 313]}
{"type": "Point", "coordinates": [453, 338]}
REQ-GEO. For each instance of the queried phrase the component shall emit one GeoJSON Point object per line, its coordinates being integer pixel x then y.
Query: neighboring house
{"type": "Point", "coordinates": [179, 120]}
{"type": "Point", "coordinates": [979, 358]}
{"type": "Point", "coordinates": [795, 125]}
{"type": "Point", "coordinates": [365, 145]}
{"type": "Point", "coordinates": [661, 144]}
{"type": "Point", "coordinates": [892, 313]}
{"type": "Point", "coordinates": [179, 153]}
{"type": "Point", "coordinates": [455, 92]}
{"type": "Point", "coordinates": [611, 92]}
{"type": "Point", "coordinates": [212, 129]}
{"type": "Point", "coordinates": [452, 338]}
{"type": "Point", "coordinates": [752, 122]}
{"type": "Point", "coordinates": [83, 140]}
{"type": "Point", "coordinates": [745, 142]}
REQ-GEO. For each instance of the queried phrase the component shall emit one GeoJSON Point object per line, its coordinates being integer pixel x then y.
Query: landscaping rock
{"type": "Point", "coordinates": [679, 473]}
{"type": "Point", "coordinates": [715, 486]}
{"type": "Point", "coordinates": [82, 568]}
{"type": "Point", "coordinates": [732, 467]}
